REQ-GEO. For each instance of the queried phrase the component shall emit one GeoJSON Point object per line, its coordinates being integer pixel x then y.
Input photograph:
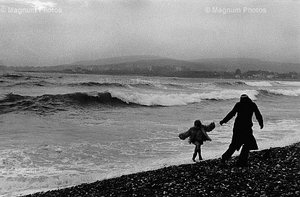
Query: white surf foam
{"type": "Point", "coordinates": [173, 99]}
{"type": "Point", "coordinates": [285, 92]}
{"type": "Point", "coordinates": [258, 83]}
{"type": "Point", "coordinates": [278, 133]}
{"type": "Point", "coordinates": [289, 83]}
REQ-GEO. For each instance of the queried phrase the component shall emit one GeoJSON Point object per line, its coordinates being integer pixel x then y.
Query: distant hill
{"type": "Point", "coordinates": [246, 64]}
{"type": "Point", "coordinates": [116, 60]}
{"type": "Point", "coordinates": [2, 66]}
{"type": "Point", "coordinates": [212, 64]}
{"type": "Point", "coordinates": [165, 66]}
{"type": "Point", "coordinates": [119, 64]}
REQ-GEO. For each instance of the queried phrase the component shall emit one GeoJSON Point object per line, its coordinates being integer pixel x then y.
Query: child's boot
{"type": "Point", "coordinates": [194, 157]}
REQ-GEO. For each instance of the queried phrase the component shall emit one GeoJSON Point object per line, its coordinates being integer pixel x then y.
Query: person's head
{"type": "Point", "coordinates": [244, 98]}
{"type": "Point", "coordinates": [197, 123]}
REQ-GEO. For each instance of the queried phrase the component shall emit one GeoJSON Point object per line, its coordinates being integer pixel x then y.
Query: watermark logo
{"type": "Point", "coordinates": [20, 11]}
{"type": "Point", "coordinates": [234, 10]}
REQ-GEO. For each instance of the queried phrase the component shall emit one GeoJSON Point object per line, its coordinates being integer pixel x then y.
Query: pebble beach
{"type": "Point", "coordinates": [271, 172]}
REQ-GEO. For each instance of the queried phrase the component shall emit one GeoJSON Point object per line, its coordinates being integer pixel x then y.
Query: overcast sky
{"type": "Point", "coordinates": [183, 29]}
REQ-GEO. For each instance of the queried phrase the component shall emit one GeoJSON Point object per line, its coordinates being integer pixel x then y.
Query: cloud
{"type": "Point", "coordinates": [92, 29]}
{"type": "Point", "coordinates": [37, 4]}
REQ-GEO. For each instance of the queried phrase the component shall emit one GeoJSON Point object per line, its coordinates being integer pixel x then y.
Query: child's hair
{"type": "Point", "coordinates": [197, 123]}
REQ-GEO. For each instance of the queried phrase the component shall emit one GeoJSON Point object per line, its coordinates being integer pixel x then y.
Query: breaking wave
{"type": "Point", "coordinates": [98, 84]}
{"type": "Point", "coordinates": [48, 102]}
{"type": "Point", "coordinates": [11, 76]}
{"type": "Point", "coordinates": [282, 92]}
{"type": "Point", "coordinates": [288, 83]}
{"type": "Point", "coordinates": [258, 83]}
{"type": "Point", "coordinates": [246, 83]}
{"type": "Point", "coordinates": [31, 84]}
{"type": "Point", "coordinates": [18, 76]}
{"type": "Point", "coordinates": [130, 84]}
{"type": "Point", "coordinates": [60, 102]}
{"type": "Point", "coordinates": [228, 83]}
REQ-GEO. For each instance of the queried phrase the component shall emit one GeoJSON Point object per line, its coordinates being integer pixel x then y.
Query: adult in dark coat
{"type": "Point", "coordinates": [242, 130]}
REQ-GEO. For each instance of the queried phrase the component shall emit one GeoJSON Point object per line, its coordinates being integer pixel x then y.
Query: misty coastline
{"type": "Point", "coordinates": [227, 68]}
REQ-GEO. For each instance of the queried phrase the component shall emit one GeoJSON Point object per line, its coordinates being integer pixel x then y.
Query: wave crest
{"type": "Point", "coordinates": [283, 92]}
{"type": "Point", "coordinates": [258, 83]}
{"type": "Point", "coordinates": [105, 84]}
{"type": "Point", "coordinates": [246, 83]}
{"type": "Point", "coordinates": [174, 99]}
{"type": "Point", "coordinates": [15, 102]}
{"type": "Point", "coordinates": [117, 98]}
{"type": "Point", "coordinates": [59, 102]}
{"type": "Point", "coordinates": [288, 83]}
{"type": "Point", "coordinates": [228, 83]}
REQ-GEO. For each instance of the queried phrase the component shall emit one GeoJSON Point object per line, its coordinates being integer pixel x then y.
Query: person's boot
{"type": "Point", "coordinates": [243, 158]}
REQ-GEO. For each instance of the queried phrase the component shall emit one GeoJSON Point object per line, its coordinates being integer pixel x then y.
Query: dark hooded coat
{"type": "Point", "coordinates": [242, 130]}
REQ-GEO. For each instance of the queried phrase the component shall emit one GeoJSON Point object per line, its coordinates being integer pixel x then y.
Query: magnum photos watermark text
{"type": "Point", "coordinates": [20, 11]}
{"type": "Point", "coordinates": [236, 10]}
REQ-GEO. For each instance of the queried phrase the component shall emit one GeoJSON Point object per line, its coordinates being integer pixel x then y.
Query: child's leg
{"type": "Point", "coordinates": [195, 154]}
{"type": "Point", "coordinates": [199, 152]}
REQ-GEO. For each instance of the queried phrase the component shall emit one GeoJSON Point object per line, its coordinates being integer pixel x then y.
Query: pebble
{"type": "Point", "coordinates": [260, 179]}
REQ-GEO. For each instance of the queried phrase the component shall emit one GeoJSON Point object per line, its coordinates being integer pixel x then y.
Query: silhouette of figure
{"type": "Point", "coordinates": [197, 135]}
{"type": "Point", "coordinates": [242, 130]}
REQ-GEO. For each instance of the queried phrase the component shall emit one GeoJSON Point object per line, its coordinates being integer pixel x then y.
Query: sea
{"type": "Point", "coordinates": [60, 130]}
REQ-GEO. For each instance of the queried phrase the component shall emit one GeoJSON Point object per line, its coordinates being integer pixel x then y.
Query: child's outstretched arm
{"type": "Point", "coordinates": [185, 135]}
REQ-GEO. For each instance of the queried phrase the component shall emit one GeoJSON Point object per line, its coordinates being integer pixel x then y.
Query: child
{"type": "Point", "coordinates": [197, 135]}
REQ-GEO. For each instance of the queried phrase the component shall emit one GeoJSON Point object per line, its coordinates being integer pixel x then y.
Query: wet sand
{"type": "Point", "coordinates": [271, 172]}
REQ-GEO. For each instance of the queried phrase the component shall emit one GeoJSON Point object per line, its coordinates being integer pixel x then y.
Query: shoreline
{"type": "Point", "coordinates": [272, 172]}
{"type": "Point", "coordinates": [166, 76]}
